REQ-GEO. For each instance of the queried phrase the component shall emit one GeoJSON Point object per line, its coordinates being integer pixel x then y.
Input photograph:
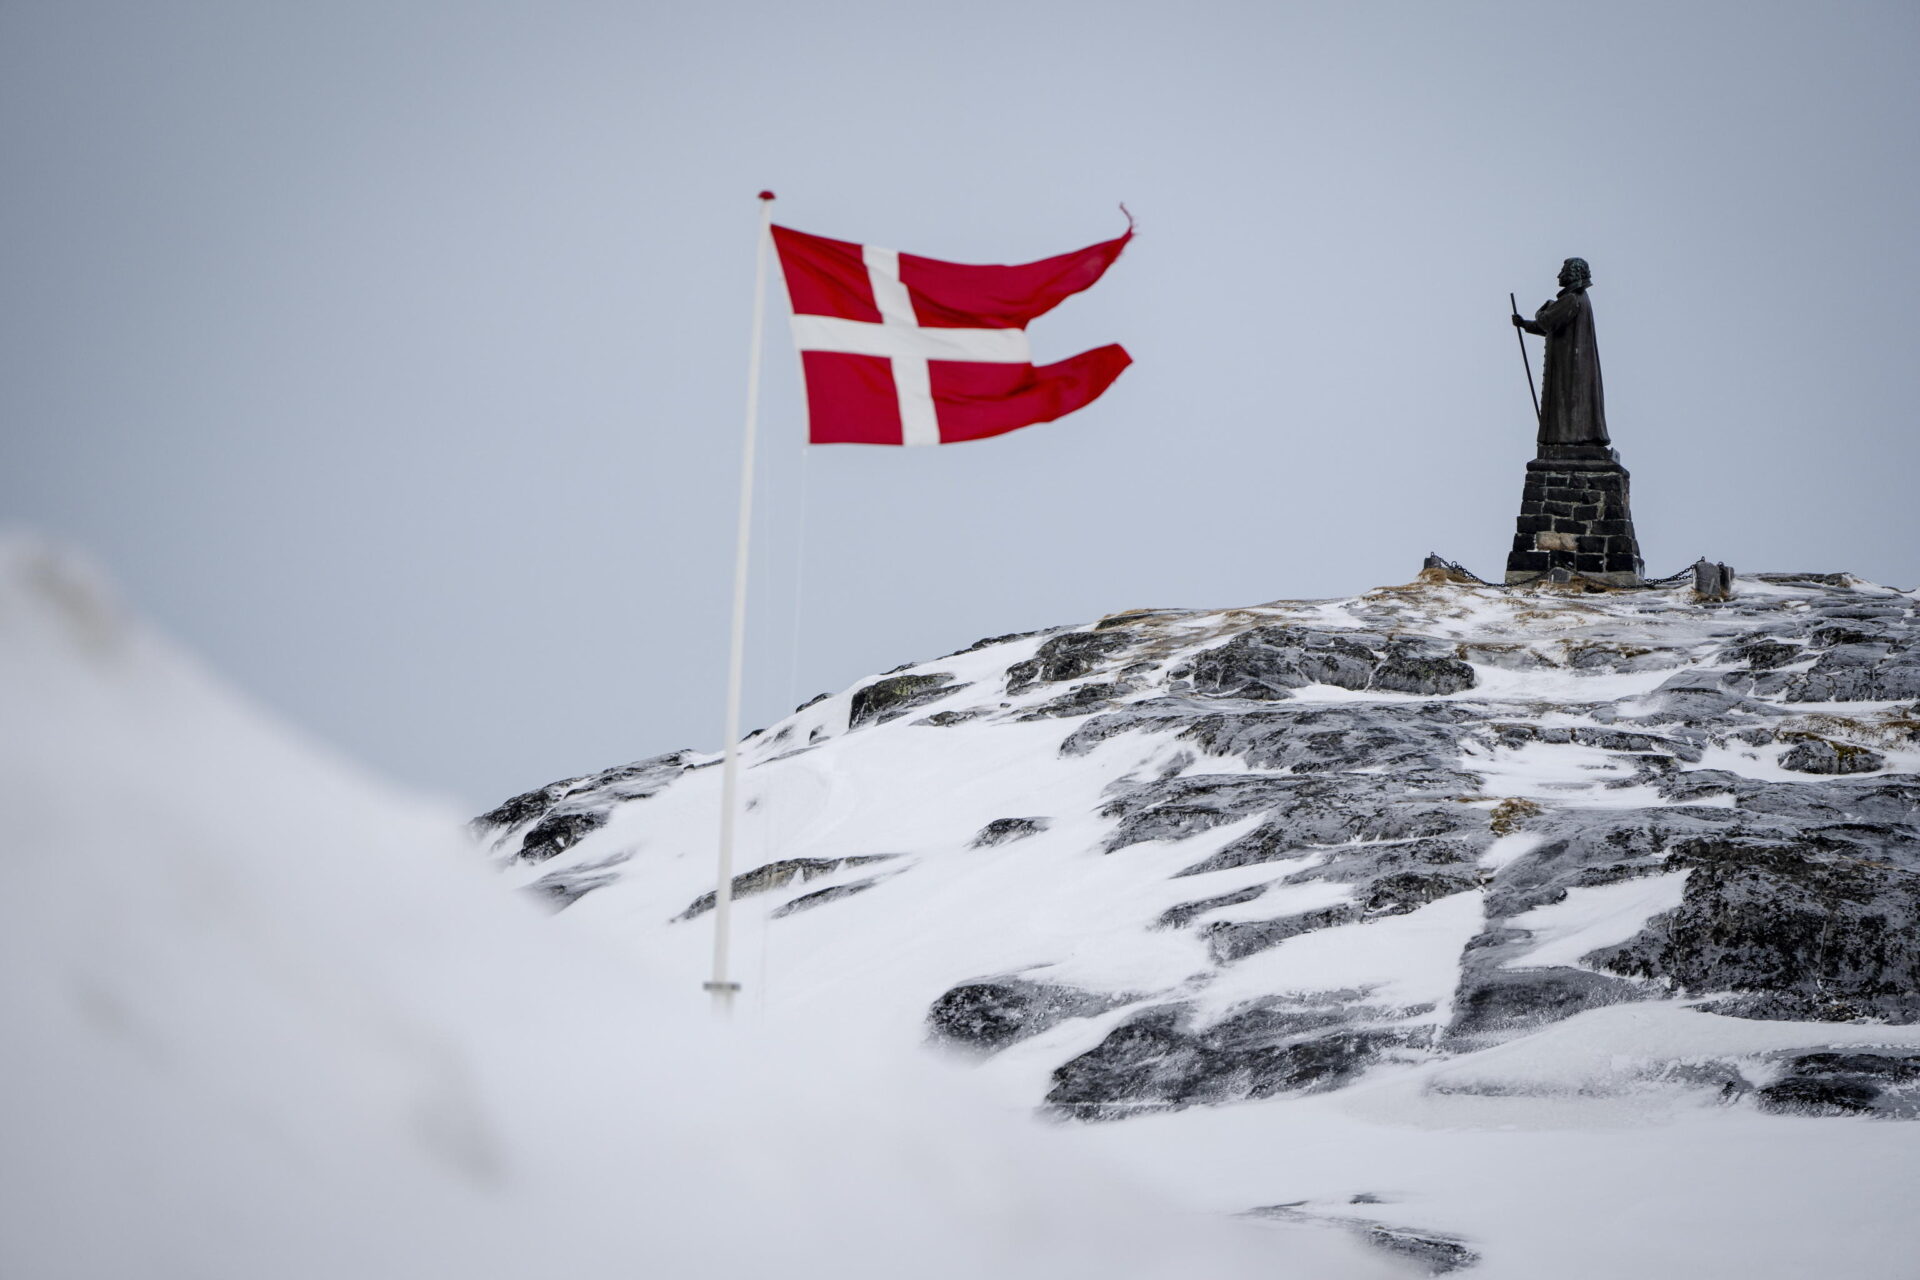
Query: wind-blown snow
{"type": "Point", "coordinates": [268, 1018]}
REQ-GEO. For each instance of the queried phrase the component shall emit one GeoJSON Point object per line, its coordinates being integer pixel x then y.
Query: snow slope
{"type": "Point", "coordinates": [1534, 932]}
{"type": "Point", "coordinates": [267, 1018]}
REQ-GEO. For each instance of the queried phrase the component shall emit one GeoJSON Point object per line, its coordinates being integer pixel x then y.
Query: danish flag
{"type": "Point", "coordinates": [900, 349]}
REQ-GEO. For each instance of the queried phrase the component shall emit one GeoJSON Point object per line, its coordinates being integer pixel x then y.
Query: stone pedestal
{"type": "Point", "coordinates": [1575, 520]}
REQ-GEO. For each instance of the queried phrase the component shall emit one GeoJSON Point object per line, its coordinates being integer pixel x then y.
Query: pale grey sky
{"type": "Point", "coordinates": [391, 353]}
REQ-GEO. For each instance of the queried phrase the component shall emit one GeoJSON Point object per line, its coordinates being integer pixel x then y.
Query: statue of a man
{"type": "Point", "coordinates": [1573, 409]}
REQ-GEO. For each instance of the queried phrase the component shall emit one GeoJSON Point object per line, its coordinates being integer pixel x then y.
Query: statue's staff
{"type": "Point", "coordinates": [1525, 363]}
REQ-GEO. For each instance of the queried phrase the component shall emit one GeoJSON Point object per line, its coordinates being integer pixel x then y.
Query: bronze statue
{"type": "Point", "coordinates": [1575, 521]}
{"type": "Point", "coordinates": [1573, 410]}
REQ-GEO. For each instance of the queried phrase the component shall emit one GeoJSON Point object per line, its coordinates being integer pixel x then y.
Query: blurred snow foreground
{"type": "Point", "coordinates": [265, 1017]}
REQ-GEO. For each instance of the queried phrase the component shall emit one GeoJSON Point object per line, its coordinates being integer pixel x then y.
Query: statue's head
{"type": "Point", "coordinates": [1574, 274]}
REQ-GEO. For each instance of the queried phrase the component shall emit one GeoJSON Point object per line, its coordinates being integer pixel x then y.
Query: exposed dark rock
{"type": "Point", "coordinates": [1436, 1252]}
{"type": "Point", "coordinates": [1764, 655]}
{"type": "Point", "coordinates": [1587, 847]}
{"type": "Point", "coordinates": [1186, 913]}
{"type": "Point", "coordinates": [990, 641]}
{"type": "Point", "coordinates": [1606, 739]}
{"type": "Point", "coordinates": [1301, 813]}
{"type": "Point", "coordinates": [562, 889]}
{"type": "Point", "coordinates": [990, 1015]}
{"type": "Point", "coordinates": [1398, 893]}
{"type": "Point", "coordinates": [1822, 1095]}
{"type": "Point", "coordinates": [1131, 616]}
{"type": "Point", "coordinates": [1230, 940]}
{"type": "Point", "coordinates": [1819, 755]}
{"type": "Point", "coordinates": [1157, 1061]}
{"type": "Point", "coordinates": [1266, 663]}
{"type": "Point", "coordinates": [893, 696]}
{"type": "Point", "coordinates": [558, 832]}
{"type": "Point", "coordinates": [1892, 1068]}
{"type": "Point", "coordinates": [565, 811]}
{"type": "Point", "coordinates": [1869, 672]}
{"type": "Point", "coordinates": [1175, 808]}
{"type": "Point", "coordinates": [1003, 830]}
{"type": "Point", "coordinates": [1838, 634]}
{"type": "Point", "coordinates": [821, 897]}
{"type": "Point", "coordinates": [1493, 999]}
{"type": "Point", "coordinates": [1066, 657]}
{"type": "Point", "coordinates": [1424, 674]}
{"type": "Point", "coordinates": [1808, 579]}
{"type": "Point", "coordinates": [521, 809]}
{"type": "Point", "coordinates": [778, 875]}
{"type": "Point", "coordinates": [1805, 930]}
{"type": "Point", "coordinates": [1884, 1083]}
{"type": "Point", "coordinates": [1339, 737]}
{"type": "Point", "coordinates": [942, 719]}
{"type": "Point", "coordinates": [1082, 700]}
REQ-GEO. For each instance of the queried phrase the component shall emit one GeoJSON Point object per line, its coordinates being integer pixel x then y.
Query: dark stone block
{"type": "Point", "coordinates": [1535, 524]}
{"type": "Point", "coordinates": [1527, 562]}
{"type": "Point", "coordinates": [1589, 513]}
{"type": "Point", "coordinates": [1592, 546]}
{"type": "Point", "coordinates": [1557, 508]}
{"type": "Point", "coordinates": [1566, 524]}
{"type": "Point", "coordinates": [1614, 528]}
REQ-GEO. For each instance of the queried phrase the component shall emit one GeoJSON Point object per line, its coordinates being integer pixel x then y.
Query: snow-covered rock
{"type": "Point", "coordinates": [1348, 855]}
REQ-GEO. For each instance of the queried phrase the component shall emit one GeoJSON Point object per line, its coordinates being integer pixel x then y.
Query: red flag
{"type": "Point", "coordinates": [900, 349]}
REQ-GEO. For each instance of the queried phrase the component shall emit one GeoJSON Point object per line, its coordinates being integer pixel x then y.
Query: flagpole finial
{"type": "Point", "coordinates": [766, 195]}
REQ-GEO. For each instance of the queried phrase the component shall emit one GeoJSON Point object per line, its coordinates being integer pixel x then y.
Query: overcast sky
{"type": "Point", "coordinates": [391, 354]}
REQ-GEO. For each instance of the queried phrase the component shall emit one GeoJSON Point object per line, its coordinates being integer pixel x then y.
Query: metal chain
{"type": "Point", "coordinates": [1452, 566]}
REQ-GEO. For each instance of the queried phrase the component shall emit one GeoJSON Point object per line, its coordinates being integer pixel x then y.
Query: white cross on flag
{"type": "Point", "coordinates": [900, 349]}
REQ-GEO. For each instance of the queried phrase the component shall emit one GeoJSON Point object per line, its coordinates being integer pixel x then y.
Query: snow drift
{"type": "Point", "coordinates": [265, 1017]}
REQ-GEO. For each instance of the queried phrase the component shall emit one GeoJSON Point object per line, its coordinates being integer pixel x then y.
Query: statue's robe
{"type": "Point", "coordinates": [1572, 407]}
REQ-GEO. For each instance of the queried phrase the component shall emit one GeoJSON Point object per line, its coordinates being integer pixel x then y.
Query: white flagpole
{"type": "Point", "coordinates": [720, 986]}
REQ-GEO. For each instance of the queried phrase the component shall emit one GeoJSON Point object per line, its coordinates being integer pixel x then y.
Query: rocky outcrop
{"type": "Point", "coordinates": [1163, 1059]}
{"type": "Point", "coordinates": [1066, 657]}
{"type": "Point", "coordinates": [989, 1015]}
{"type": "Point", "coordinates": [547, 821]}
{"type": "Point", "coordinates": [1002, 830]}
{"type": "Point", "coordinates": [1532, 805]}
{"type": "Point", "coordinates": [1829, 1084]}
{"type": "Point", "coordinates": [1824, 928]}
{"type": "Point", "coordinates": [778, 875]}
{"type": "Point", "coordinates": [894, 696]}
{"type": "Point", "coordinates": [1267, 663]}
